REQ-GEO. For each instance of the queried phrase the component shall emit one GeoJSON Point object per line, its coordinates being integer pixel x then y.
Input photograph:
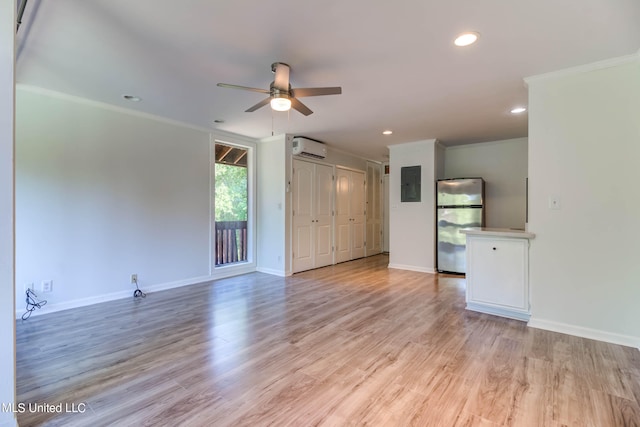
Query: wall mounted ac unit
{"type": "Point", "coordinates": [307, 147]}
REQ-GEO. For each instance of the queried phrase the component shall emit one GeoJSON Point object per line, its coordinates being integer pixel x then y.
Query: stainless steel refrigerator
{"type": "Point", "coordinates": [460, 205]}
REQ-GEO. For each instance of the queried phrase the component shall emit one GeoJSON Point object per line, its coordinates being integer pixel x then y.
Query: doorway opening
{"type": "Point", "coordinates": [231, 203]}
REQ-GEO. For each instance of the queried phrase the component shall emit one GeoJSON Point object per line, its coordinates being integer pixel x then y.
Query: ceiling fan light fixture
{"type": "Point", "coordinates": [281, 103]}
{"type": "Point", "coordinates": [466, 39]}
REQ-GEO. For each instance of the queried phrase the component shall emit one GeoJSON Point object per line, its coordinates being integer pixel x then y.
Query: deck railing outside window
{"type": "Point", "coordinates": [231, 242]}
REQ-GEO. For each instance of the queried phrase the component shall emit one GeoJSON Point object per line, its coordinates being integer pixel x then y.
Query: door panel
{"type": "Point", "coordinates": [323, 252]}
{"type": "Point", "coordinates": [343, 242]}
{"type": "Point", "coordinates": [350, 214]}
{"type": "Point", "coordinates": [357, 248]}
{"type": "Point", "coordinates": [343, 222]}
{"type": "Point", "coordinates": [312, 215]}
{"type": "Point", "coordinates": [357, 196]}
{"type": "Point", "coordinates": [302, 188]}
{"type": "Point", "coordinates": [358, 218]}
{"type": "Point", "coordinates": [323, 215]}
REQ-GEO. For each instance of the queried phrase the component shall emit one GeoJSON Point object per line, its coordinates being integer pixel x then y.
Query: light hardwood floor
{"type": "Point", "coordinates": [351, 344]}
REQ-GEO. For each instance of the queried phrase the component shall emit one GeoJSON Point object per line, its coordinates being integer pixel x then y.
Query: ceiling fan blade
{"type": "Point", "coordinates": [281, 81]}
{"type": "Point", "coordinates": [315, 91]}
{"type": "Point", "coordinates": [258, 105]}
{"type": "Point", "coordinates": [253, 89]}
{"type": "Point", "coordinates": [300, 107]}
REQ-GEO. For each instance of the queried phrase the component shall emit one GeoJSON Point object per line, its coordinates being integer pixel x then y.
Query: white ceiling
{"type": "Point", "coordinates": [395, 61]}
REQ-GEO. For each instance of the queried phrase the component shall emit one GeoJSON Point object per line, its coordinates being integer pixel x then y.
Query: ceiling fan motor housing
{"type": "Point", "coordinates": [281, 96]}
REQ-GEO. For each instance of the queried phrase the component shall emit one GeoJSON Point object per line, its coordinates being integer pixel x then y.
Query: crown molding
{"type": "Point", "coordinates": [105, 106]}
{"type": "Point", "coordinates": [594, 66]}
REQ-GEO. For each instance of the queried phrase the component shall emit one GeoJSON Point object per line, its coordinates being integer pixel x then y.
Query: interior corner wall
{"type": "Point", "coordinates": [584, 148]}
{"type": "Point", "coordinates": [7, 216]}
{"type": "Point", "coordinates": [102, 194]}
{"type": "Point", "coordinates": [412, 224]}
{"type": "Point", "coordinates": [440, 160]}
{"type": "Point", "coordinates": [272, 206]}
{"type": "Point", "coordinates": [503, 165]}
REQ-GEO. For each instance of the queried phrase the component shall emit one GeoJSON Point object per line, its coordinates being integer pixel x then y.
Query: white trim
{"type": "Point", "coordinates": [98, 104]}
{"type": "Point", "coordinates": [273, 272]}
{"type": "Point", "coordinates": [583, 332]}
{"type": "Point", "coordinates": [83, 302]}
{"type": "Point", "coordinates": [594, 66]}
{"type": "Point", "coordinates": [412, 268]}
{"type": "Point", "coordinates": [416, 143]}
{"type": "Point", "coordinates": [485, 144]}
{"type": "Point", "coordinates": [347, 168]}
{"type": "Point", "coordinates": [250, 146]}
{"type": "Point", "coordinates": [8, 11]}
{"type": "Point", "coordinates": [497, 311]}
{"type": "Point", "coordinates": [216, 133]}
{"type": "Point", "coordinates": [225, 137]}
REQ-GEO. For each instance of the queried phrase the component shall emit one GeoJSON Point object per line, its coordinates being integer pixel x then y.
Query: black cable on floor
{"type": "Point", "coordinates": [138, 293]}
{"type": "Point", "coordinates": [32, 303]}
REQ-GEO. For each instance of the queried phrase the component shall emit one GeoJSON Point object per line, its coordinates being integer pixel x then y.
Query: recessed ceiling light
{"type": "Point", "coordinates": [387, 132]}
{"type": "Point", "coordinates": [132, 98]}
{"type": "Point", "coordinates": [465, 39]}
{"type": "Point", "coordinates": [518, 110]}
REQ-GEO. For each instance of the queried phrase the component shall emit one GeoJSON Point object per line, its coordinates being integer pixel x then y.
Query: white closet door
{"type": "Point", "coordinates": [323, 227]}
{"type": "Point", "coordinates": [357, 211]}
{"type": "Point", "coordinates": [303, 247]}
{"type": "Point", "coordinates": [343, 218]}
{"type": "Point", "coordinates": [350, 214]}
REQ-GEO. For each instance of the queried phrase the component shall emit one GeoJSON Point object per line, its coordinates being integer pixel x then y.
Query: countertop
{"type": "Point", "coordinates": [498, 232]}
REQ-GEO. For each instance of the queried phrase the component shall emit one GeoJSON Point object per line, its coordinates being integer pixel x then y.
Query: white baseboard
{"type": "Point", "coordinates": [497, 311]}
{"type": "Point", "coordinates": [82, 302]}
{"type": "Point", "coordinates": [579, 331]}
{"type": "Point", "coordinates": [272, 271]}
{"type": "Point", "coordinates": [413, 268]}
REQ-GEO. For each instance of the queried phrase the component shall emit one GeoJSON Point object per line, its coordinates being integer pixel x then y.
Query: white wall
{"type": "Point", "coordinates": [7, 297]}
{"type": "Point", "coordinates": [272, 206]}
{"type": "Point", "coordinates": [340, 158]}
{"type": "Point", "coordinates": [584, 151]}
{"type": "Point", "coordinates": [412, 224]}
{"type": "Point", "coordinates": [503, 165]}
{"type": "Point", "coordinates": [441, 151]}
{"type": "Point", "coordinates": [102, 193]}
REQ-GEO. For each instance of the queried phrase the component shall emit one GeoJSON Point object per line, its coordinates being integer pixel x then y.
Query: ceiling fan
{"type": "Point", "coordinates": [281, 96]}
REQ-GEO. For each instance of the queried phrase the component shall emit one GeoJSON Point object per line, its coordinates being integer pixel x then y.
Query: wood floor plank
{"type": "Point", "coordinates": [347, 345]}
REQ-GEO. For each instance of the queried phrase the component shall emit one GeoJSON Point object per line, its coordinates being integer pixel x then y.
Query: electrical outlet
{"type": "Point", "coordinates": [134, 279]}
{"type": "Point", "coordinates": [47, 286]}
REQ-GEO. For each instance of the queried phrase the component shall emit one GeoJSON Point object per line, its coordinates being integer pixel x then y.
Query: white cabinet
{"type": "Point", "coordinates": [498, 272]}
{"type": "Point", "coordinates": [350, 214]}
{"type": "Point", "coordinates": [312, 215]}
